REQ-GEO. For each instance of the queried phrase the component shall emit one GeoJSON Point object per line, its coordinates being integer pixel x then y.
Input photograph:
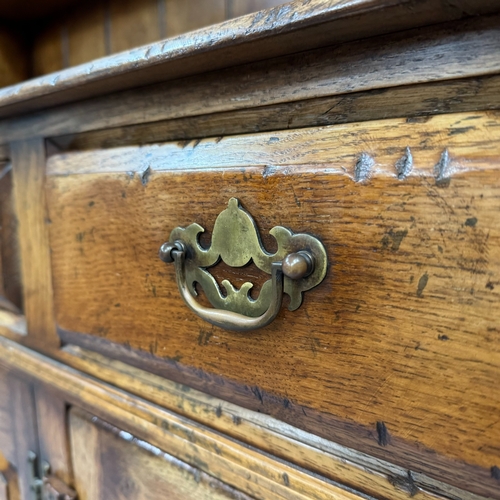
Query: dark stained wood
{"type": "Point", "coordinates": [53, 432]}
{"type": "Point", "coordinates": [238, 8]}
{"type": "Point", "coordinates": [24, 429]}
{"type": "Point", "coordinates": [48, 54]}
{"type": "Point", "coordinates": [134, 23]}
{"type": "Point", "coordinates": [14, 58]}
{"type": "Point", "coordinates": [411, 258]}
{"type": "Point", "coordinates": [83, 36]}
{"type": "Point", "coordinates": [7, 443]}
{"type": "Point", "coordinates": [446, 97]}
{"type": "Point", "coordinates": [10, 279]}
{"type": "Point", "coordinates": [190, 15]}
{"type": "Point", "coordinates": [359, 66]}
{"type": "Point", "coordinates": [26, 9]}
{"type": "Point", "coordinates": [28, 168]}
{"type": "Point", "coordinates": [253, 37]}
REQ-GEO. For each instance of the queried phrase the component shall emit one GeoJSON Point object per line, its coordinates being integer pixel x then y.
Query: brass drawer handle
{"type": "Point", "coordinates": [298, 265]}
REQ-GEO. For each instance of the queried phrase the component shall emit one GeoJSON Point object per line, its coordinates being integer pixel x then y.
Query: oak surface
{"type": "Point", "coordinates": [232, 462]}
{"type": "Point", "coordinates": [293, 27]}
{"type": "Point", "coordinates": [407, 213]}
{"type": "Point", "coordinates": [112, 464]}
{"type": "Point", "coordinates": [28, 160]}
{"type": "Point", "coordinates": [372, 476]}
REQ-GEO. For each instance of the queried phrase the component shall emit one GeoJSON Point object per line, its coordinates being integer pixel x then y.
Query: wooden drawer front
{"type": "Point", "coordinates": [111, 464]}
{"type": "Point", "coordinates": [395, 353]}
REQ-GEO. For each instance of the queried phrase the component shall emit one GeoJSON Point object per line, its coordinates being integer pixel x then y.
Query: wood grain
{"type": "Point", "coordinates": [408, 298]}
{"type": "Point", "coordinates": [9, 482]}
{"type": "Point", "coordinates": [7, 443]}
{"type": "Point", "coordinates": [190, 15]}
{"type": "Point", "coordinates": [13, 58]}
{"type": "Point", "coordinates": [373, 477]}
{"type": "Point", "coordinates": [248, 470]}
{"type": "Point", "coordinates": [410, 102]}
{"type": "Point", "coordinates": [238, 8]}
{"type": "Point", "coordinates": [24, 429]}
{"type": "Point", "coordinates": [86, 34]}
{"type": "Point", "coordinates": [10, 279]}
{"type": "Point", "coordinates": [386, 62]}
{"type": "Point", "coordinates": [53, 433]}
{"type": "Point", "coordinates": [48, 51]}
{"type": "Point", "coordinates": [123, 466]}
{"type": "Point", "coordinates": [293, 27]}
{"type": "Point", "coordinates": [28, 168]}
{"type": "Point", "coordinates": [134, 23]}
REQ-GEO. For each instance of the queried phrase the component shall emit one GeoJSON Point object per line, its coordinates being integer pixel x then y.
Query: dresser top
{"type": "Point", "coordinates": [293, 27]}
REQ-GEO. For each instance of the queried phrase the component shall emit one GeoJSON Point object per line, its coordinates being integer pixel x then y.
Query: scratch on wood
{"type": "Point", "coordinates": [363, 167]}
{"type": "Point", "coordinates": [405, 164]}
{"type": "Point", "coordinates": [405, 483]}
{"type": "Point", "coordinates": [145, 174]}
{"type": "Point", "coordinates": [422, 283]}
{"type": "Point", "coordinates": [495, 472]}
{"type": "Point", "coordinates": [394, 237]}
{"type": "Point", "coordinates": [441, 170]}
{"type": "Point", "coordinates": [383, 434]}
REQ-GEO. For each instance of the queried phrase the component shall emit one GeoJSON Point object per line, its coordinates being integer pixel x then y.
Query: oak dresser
{"type": "Point", "coordinates": [259, 260]}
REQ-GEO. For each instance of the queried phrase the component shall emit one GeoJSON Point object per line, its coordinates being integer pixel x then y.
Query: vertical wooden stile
{"type": "Point", "coordinates": [28, 163]}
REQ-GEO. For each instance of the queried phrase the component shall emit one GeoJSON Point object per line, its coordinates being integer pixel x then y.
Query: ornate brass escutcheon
{"type": "Point", "coordinates": [298, 265]}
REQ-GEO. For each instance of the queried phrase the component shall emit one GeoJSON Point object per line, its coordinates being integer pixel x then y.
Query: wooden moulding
{"type": "Point", "coordinates": [292, 27]}
{"type": "Point", "coordinates": [407, 213]}
{"type": "Point", "coordinates": [385, 62]}
{"type": "Point", "coordinates": [413, 102]}
{"type": "Point", "coordinates": [234, 460]}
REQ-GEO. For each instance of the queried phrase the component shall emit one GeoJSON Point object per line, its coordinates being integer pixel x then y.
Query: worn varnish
{"type": "Point", "coordinates": [234, 463]}
{"type": "Point", "coordinates": [112, 464]}
{"type": "Point", "coordinates": [29, 198]}
{"type": "Point", "coordinates": [357, 470]}
{"type": "Point", "coordinates": [410, 101]}
{"type": "Point", "coordinates": [293, 27]}
{"type": "Point", "coordinates": [360, 66]}
{"type": "Point", "coordinates": [407, 213]}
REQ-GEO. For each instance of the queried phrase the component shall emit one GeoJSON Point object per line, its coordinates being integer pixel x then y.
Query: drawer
{"type": "Point", "coordinates": [394, 353]}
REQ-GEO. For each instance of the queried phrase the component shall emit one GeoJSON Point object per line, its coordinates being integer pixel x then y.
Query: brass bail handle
{"type": "Point", "coordinates": [295, 266]}
{"type": "Point", "coordinates": [298, 264]}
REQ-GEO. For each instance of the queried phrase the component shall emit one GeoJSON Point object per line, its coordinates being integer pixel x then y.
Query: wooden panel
{"type": "Point", "coordinates": [9, 484]}
{"type": "Point", "coordinates": [48, 51]}
{"type": "Point", "coordinates": [134, 23]}
{"type": "Point", "coordinates": [111, 464]}
{"type": "Point", "coordinates": [190, 15]}
{"type": "Point", "coordinates": [230, 461]}
{"type": "Point", "coordinates": [414, 245]}
{"type": "Point", "coordinates": [28, 162]}
{"type": "Point", "coordinates": [227, 459]}
{"type": "Point", "coordinates": [13, 59]}
{"type": "Point", "coordinates": [24, 430]}
{"type": "Point", "coordinates": [275, 34]}
{"type": "Point", "coordinates": [86, 32]}
{"type": "Point", "coordinates": [374, 477]}
{"type": "Point", "coordinates": [53, 432]}
{"type": "Point", "coordinates": [242, 7]}
{"type": "Point", "coordinates": [7, 444]}
{"type": "Point", "coordinates": [294, 78]}
{"type": "Point", "coordinates": [11, 289]}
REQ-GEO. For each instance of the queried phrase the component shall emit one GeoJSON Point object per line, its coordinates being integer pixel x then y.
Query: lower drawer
{"type": "Point", "coordinates": [394, 353]}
